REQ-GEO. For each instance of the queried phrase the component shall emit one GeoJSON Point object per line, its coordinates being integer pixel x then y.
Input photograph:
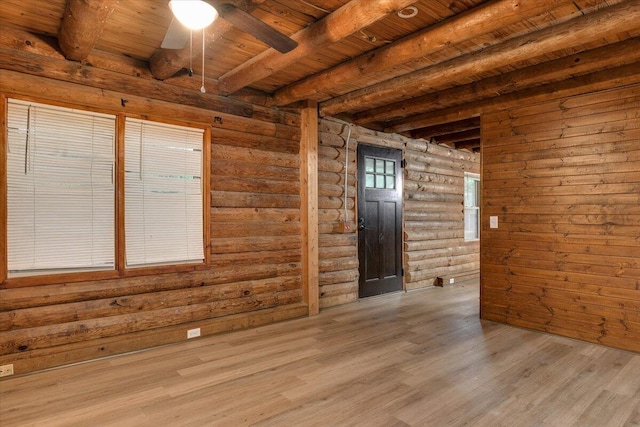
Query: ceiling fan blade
{"type": "Point", "coordinates": [176, 37]}
{"type": "Point", "coordinates": [252, 25]}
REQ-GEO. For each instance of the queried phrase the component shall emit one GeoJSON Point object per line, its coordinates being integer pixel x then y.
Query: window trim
{"type": "Point", "coordinates": [3, 187]}
{"type": "Point", "coordinates": [476, 178]}
{"type": "Point", "coordinates": [120, 270]}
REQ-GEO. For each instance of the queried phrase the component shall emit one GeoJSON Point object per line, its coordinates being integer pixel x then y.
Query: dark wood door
{"type": "Point", "coordinates": [379, 220]}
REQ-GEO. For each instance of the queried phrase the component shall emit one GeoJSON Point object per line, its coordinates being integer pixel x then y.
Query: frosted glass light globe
{"type": "Point", "coordinates": [194, 14]}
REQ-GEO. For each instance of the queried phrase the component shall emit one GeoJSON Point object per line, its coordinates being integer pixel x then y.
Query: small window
{"type": "Point", "coordinates": [471, 207]}
{"type": "Point", "coordinates": [380, 173]}
{"type": "Point", "coordinates": [60, 190]}
{"type": "Point", "coordinates": [163, 194]}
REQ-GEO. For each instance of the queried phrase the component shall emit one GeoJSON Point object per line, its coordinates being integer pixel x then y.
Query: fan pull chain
{"type": "Point", "coordinates": [202, 89]}
{"type": "Point", "coordinates": [190, 53]}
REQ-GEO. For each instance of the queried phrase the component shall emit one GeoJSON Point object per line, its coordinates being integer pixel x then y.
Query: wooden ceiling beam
{"type": "Point", "coordinates": [489, 17]}
{"type": "Point", "coordinates": [350, 18]}
{"type": "Point", "coordinates": [24, 41]}
{"type": "Point", "coordinates": [82, 25]}
{"type": "Point", "coordinates": [454, 138]}
{"type": "Point", "coordinates": [609, 56]}
{"type": "Point", "coordinates": [27, 62]}
{"type": "Point", "coordinates": [602, 58]}
{"type": "Point", "coordinates": [575, 33]}
{"type": "Point", "coordinates": [472, 144]}
{"type": "Point", "coordinates": [447, 128]}
{"type": "Point", "coordinates": [600, 80]}
{"type": "Point", "coordinates": [165, 63]}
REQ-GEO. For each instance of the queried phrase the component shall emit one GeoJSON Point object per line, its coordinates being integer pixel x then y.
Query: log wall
{"type": "Point", "coordinates": [562, 176]}
{"type": "Point", "coordinates": [254, 276]}
{"type": "Point", "coordinates": [434, 246]}
{"type": "Point", "coordinates": [338, 241]}
{"type": "Point", "coordinates": [433, 237]}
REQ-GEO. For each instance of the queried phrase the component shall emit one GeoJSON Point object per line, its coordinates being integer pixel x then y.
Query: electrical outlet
{"type": "Point", "coordinates": [193, 333]}
{"type": "Point", "coordinates": [6, 370]}
{"type": "Point", "coordinates": [451, 281]}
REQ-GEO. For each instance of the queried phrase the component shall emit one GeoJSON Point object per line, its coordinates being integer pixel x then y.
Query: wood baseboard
{"type": "Point", "coordinates": [37, 360]}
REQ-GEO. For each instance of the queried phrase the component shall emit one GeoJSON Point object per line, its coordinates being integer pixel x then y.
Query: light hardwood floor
{"type": "Point", "coordinates": [421, 358]}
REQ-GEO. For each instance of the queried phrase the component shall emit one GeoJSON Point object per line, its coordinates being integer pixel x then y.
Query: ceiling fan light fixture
{"type": "Point", "coordinates": [194, 14]}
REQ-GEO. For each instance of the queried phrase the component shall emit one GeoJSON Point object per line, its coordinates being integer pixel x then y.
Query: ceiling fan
{"type": "Point", "coordinates": [204, 12]}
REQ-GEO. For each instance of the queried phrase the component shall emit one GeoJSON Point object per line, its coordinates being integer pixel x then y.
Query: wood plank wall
{"type": "Point", "coordinates": [433, 235]}
{"type": "Point", "coordinates": [255, 271]}
{"type": "Point", "coordinates": [563, 177]}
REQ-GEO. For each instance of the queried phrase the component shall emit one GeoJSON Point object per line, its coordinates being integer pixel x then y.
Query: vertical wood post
{"type": "Point", "coordinates": [121, 246]}
{"type": "Point", "coordinates": [309, 205]}
{"type": "Point", "coordinates": [206, 194]}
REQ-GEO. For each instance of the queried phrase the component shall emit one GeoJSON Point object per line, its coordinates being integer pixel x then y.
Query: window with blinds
{"type": "Point", "coordinates": [60, 189]}
{"type": "Point", "coordinates": [163, 194]}
{"type": "Point", "coordinates": [471, 207]}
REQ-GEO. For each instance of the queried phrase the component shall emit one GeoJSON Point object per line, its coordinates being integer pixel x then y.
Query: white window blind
{"type": "Point", "coordinates": [60, 189]}
{"type": "Point", "coordinates": [471, 206]}
{"type": "Point", "coordinates": [163, 193]}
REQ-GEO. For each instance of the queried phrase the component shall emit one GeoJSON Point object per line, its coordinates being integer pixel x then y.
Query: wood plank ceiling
{"type": "Point", "coordinates": [427, 76]}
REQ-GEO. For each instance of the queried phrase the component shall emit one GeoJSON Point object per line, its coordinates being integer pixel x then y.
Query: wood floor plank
{"type": "Point", "coordinates": [421, 358]}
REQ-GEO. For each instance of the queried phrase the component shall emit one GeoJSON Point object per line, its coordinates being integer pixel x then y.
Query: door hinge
{"type": "Point", "coordinates": [402, 272]}
{"type": "Point", "coordinates": [403, 163]}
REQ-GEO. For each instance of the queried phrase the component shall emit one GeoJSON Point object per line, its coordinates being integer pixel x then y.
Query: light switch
{"type": "Point", "coordinates": [493, 222]}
